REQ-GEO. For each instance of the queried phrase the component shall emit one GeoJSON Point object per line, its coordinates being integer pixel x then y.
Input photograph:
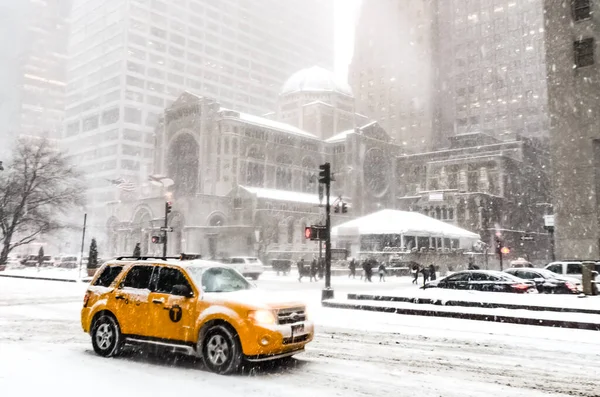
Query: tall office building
{"type": "Point", "coordinates": [130, 58]}
{"type": "Point", "coordinates": [572, 37]}
{"type": "Point", "coordinates": [491, 65]}
{"type": "Point", "coordinates": [33, 44]}
{"type": "Point", "coordinates": [391, 73]}
{"type": "Point", "coordinates": [433, 69]}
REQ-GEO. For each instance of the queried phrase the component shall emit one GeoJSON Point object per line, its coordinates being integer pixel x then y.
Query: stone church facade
{"type": "Point", "coordinates": [247, 185]}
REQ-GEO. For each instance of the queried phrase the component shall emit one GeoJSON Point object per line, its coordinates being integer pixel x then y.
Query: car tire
{"type": "Point", "coordinates": [107, 339]}
{"type": "Point", "coordinates": [221, 350]}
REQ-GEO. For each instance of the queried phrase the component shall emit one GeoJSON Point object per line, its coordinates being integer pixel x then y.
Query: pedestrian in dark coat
{"type": "Point", "coordinates": [321, 267]}
{"type": "Point", "coordinates": [369, 270]}
{"type": "Point", "coordinates": [382, 272]}
{"type": "Point", "coordinates": [425, 272]}
{"type": "Point", "coordinates": [313, 270]}
{"type": "Point", "coordinates": [301, 269]}
{"type": "Point", "coordinates": [432, 272]}
{"type": "Point", "coordinates": [415, 274]}
{"type": "Point", "coordinates": [352, 267]}
{"type": "Point", "coordinates": [364, 272]}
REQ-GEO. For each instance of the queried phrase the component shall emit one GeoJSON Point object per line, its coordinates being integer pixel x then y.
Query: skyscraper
{"type": "Point", "coordinates": [391, 72]}
{"type": "Point", "coordinates": [33, 48]}
{"type": "Point", "coordinates": [491, 65]}
{"type": "Point", "coordinates": [430, 69]}
{"type": "Point", "coordinates": [130, 59]}
{"type": "Point", "coordinates": [572, 38]}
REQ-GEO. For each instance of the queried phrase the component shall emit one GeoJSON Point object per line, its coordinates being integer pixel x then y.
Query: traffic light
{"type": "Point", "coordinates": [308, 233]}
{"type": "Point", "coordinates": [157, 240]}
{"type": "Point", "coordinates": [325, 173]}
{"type": "Point", "coordinates": [336, 209]}
{"type": "Point", "coordinates": [315, 233]}
{"type": "Point", "coordinates": [344, 208]}
{"type": "Point", "coordinates": [505, 250]}
{"type": "Point", "coordinates": [168, 207]}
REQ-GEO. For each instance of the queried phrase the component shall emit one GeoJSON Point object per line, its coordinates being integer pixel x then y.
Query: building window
{"type": "Point", "coordinates": [133, 115]}
{"type": "Point", "coordinates": [581, 9]}
{"type": "Point", "coordinates": [584, 52]}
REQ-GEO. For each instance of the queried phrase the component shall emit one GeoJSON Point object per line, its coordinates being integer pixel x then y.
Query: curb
{"type": "Point", "coordinates": [467, 316]}
{"type": "Point", "coordinates": [64, 280]}
{"type": "Point", "coordinates": [484, 305]}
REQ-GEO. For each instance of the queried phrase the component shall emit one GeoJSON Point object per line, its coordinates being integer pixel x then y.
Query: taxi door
{"type": "Point", "coordinates": [129, 301]}
{"type": "Point", "coordinates": [173, 305]}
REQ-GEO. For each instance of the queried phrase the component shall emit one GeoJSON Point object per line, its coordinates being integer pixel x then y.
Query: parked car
{"type": "Point", "coordinates": [281, 266]}
{"type": "Point", "coordinates": [569, 268]}
{"type": "Point", "coordinates": [484, 280]}
{"type": "Point", "coordinates": [69, 262]}
{"type": "Point", "coordinates": [548, 282]}
{"type": "Point", "coordinates": [249, 266]}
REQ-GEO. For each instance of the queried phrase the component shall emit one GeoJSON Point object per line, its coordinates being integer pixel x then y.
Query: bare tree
{"type": "Point", "coordinates": [35, 190]}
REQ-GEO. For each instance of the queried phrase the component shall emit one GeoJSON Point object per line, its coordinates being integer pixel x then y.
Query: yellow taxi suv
{"type": "Point", "coordinates": [198, 307]}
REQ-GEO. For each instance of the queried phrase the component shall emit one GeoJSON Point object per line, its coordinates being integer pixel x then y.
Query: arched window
{"type": "Point", "coordinates": [290, 231]}
{"type": "Point", "coordinates": [216, 220]}
{"type": "Point", "coordinates": [183, 164]}
{"type": "Point", "coordinates": [451, 213]}
{"type": "Point", "coordinates": [309, 175]}
{"type": "Point", "coordinates": [255, 169]}
{"type": "Point", "coordinates": [438, 213]}
{"type": "Point", "coordinates": [444, 213]}
{"type": "Point", "coordinates": [283, 173]}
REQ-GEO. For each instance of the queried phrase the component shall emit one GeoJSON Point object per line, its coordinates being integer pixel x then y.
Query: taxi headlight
{"type": "Point", "coordinates": [263, 317]}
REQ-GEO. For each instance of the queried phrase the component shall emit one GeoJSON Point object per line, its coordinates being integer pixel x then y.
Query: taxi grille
{"type": "Point", "coordinates": [291, 316]}
{"type": "Point", "coordinates": [295, 339]}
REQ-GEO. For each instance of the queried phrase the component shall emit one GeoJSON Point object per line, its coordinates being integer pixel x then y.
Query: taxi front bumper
{"type": "Point", "coordinates": [276, 341]}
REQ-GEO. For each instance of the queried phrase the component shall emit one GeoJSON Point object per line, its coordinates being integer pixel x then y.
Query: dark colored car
{"type": "Point", "coordinates": [546, 281]}
{"type": "Point", "coordinates": [484, 280]}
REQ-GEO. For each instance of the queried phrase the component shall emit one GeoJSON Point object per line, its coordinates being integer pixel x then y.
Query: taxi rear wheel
{"type": "Point", "coordinates": [221, 350]}
{"type": "Point", "coordinates": [106, 336]}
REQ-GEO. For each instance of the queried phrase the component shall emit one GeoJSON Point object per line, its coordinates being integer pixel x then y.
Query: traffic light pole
{"type": "Point", "coordinates": [165, 230]}
{"type": "Point", "coordinates": [327, 293]}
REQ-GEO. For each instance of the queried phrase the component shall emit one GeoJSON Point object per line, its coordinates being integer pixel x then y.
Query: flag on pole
{"type": "Point", "coordinates": [123, 184]}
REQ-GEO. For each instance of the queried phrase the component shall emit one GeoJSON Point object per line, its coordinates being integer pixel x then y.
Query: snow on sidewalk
{"type": "Point", "coordinates": [444, 295]}
{"type": "Point", "coordinates": [50, 273]}
{"type": "Point", "coordinates": [518, 316]}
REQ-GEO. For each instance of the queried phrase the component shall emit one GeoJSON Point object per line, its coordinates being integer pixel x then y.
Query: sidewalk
{"type": "Point", "coordinates": [48, 274]}
{"type": "Point", "coordinates": [565, 311]}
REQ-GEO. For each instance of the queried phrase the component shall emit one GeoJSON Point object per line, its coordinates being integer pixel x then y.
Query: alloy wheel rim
{"type": "Point", "coordinates": [218, 350]}
{"type": "Point", "coordinates": [104, 336]}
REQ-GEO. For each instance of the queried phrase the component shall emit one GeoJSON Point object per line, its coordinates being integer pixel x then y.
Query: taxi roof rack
{"type": "Point", "coordinates": [143, 258]}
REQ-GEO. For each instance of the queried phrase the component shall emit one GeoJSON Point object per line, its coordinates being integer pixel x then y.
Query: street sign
{"type": "Point", "coordinates": [549, 220]}
{"type": "Point", "coordinates": [166, 229]}
{"type": "Point", "coordinates": [527, 238]}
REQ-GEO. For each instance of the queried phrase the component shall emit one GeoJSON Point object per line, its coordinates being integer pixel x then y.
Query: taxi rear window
{"type": "Point", "coordinates": [108, 275]}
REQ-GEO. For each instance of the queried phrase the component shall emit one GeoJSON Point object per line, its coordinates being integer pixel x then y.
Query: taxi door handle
{"type": "Point", "coordinates": [158, 301]}
{"type": "Point", "coordinates": [121, 297]}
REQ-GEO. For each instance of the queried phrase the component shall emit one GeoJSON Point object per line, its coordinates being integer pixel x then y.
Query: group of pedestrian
{"type": "Point", "coordinates": [428, 273]}
{"type": "Point", "coordinates": [367, 266]}
{"type": "Point", "coordinates": [314, 270]}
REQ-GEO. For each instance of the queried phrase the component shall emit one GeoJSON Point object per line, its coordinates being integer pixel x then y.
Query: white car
{"type": "Point", "coordinates": [249, 266]}
{"type": "Point", "coordinates": [568, 268]}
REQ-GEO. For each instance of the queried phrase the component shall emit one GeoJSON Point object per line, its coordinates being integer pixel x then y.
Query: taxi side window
{"type": "Point", "coordinates": [168, 278]}
{"type": "Point", "coordinates": [138, 277]}
{"type": "Point", "coordinates": [108, 275]}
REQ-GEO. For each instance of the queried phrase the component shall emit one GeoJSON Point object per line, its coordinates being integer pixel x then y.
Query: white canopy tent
{"type": "Point", "coordinates": [404, 224]}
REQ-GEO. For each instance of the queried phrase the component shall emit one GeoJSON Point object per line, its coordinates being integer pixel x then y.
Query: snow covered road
{"type": "Point", "coordinates": [44, 351]}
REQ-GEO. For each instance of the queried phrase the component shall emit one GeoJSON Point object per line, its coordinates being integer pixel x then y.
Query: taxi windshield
{"type": "Point", "coordinates": [219, 279]}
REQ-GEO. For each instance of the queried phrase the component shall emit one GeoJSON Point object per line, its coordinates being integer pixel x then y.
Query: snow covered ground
{"type": "Point", "coordinates": [44, 351]}
{"type": "Point", "coordinates": [544, 300]}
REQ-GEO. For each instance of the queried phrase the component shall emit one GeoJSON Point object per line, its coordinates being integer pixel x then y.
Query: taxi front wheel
{"type": "Point", "coordinates": [221, 350]}
{"type": "Point", "coordinates": [106, 336]}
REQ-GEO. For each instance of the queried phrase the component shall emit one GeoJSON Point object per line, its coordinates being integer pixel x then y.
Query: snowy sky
{"type": "Point", "coordinates": [346, 12]}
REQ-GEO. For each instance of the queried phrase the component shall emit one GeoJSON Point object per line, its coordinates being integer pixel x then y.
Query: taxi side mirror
{"type": "Point", "coordinates": [183, 290]}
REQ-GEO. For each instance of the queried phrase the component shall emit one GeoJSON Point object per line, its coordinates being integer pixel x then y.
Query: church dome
{"type": "Point", "coordinates": [315, 79]}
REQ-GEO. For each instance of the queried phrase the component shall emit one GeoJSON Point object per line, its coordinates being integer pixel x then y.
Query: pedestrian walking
{"type": "Point", "coordinates": [432, 275]}
{"type": "Point", "coordinates": [382, 272]}
{"type": "Point", "coordinates": [321, 268]}
{"type": "Point", "coordinates": [301, 269]}
{"type": "Point", "coordinates": [425, 272]}
{"type": "Point", "coordinates": [352, 267]}
{"type": "Point", "coordinates": [415, 274]}
{"type": "Point", "coordinates": [313, 270]}
{"type": "Point", "coordinates": [369, 270]}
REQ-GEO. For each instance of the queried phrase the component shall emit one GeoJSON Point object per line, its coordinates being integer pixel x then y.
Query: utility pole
{"type": "Point", "coordinates": [168, 207]}
{"type": "Point", "coordinates": [82, 245]}
{"type": "Point", "coordinates": [325, 178]}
